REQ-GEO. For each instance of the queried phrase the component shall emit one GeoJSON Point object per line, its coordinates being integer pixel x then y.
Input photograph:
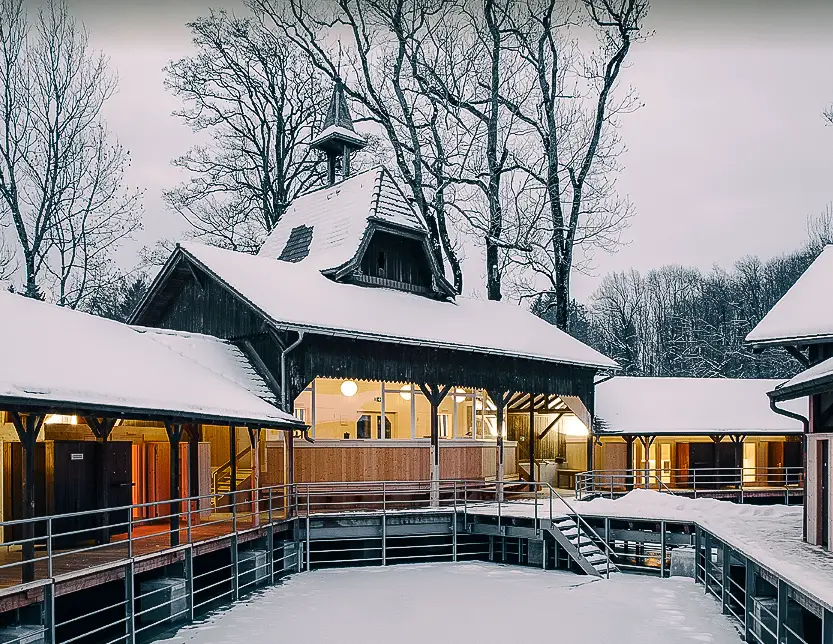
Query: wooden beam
{"type": "Point", "coordinates": [232, 438]}
{"type": "Point", "coordinates": [532, 439]}
{"type": "Point", "coordinates": [435, 394]}
{"type": "Point", "coordinates": [254, 440]}
{"type": "Point", "coordinates": [28, 427]}
{"type": "Point", "coordinates": [500, 399]}
{"type": "Point", "coordinates": [174, 431]}
{"type": "Point", "coordinates": [194, 437]}
{"type": "Point", "coordinates": [552, 424]}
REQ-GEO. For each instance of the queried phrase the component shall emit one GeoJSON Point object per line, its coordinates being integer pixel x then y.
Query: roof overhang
{"type": "Point", "coordinates": [182, 254]}
{"type": "Point", "coordinates": [44, 405]}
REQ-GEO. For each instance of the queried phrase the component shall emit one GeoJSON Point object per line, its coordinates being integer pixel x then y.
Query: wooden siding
{"type": "Point", "coordinates": [200, 303]}
{"type": "Point", "coordinates": [396, 259]}
{"type": "Point", "coordinates": [402, 461]}
{"type": "Point", "coordinates": [334, 357]}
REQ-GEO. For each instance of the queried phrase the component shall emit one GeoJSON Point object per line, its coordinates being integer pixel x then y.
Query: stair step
{"type": "Point", "coordinates": [569, 533]}
{"type": "Point", "coordinates": [590, 548]}
{"type": "Point", "coordinates": [596, 558]}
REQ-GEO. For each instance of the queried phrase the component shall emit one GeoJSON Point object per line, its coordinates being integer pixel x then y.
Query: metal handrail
{"type": "Point", "coordinates": [383, 496]}
{"type": "Point", "coordinates": [227, 466]}
{"type": "Point", "coordinates": [696, 480]}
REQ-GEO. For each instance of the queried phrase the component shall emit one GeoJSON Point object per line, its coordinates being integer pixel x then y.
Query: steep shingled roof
{"type": "Point", "coordinates": [339, 216]}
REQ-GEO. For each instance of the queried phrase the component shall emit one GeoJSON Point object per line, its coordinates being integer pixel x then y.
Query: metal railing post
{"type": "Point", "coordinates": [465, 506]}
{"type": "Point", "coordinates": [662, 550]}
{"type": "Point", "coordinates": [130, 534]}
{"type": "Point", "coordinates": [384, 525]}
{"type": "Point", "coordinates": [49, 568]}
{"type": "Point", "coordinates": [188, 530]}
{"type": "Point", "coordinates": [235, 568]}
{"type": "Point", "coordinates": [130, 603]}
{"type": "Point", "coordinates": [189, 579]}
{"type": "Point", "coordinates": [49, 612]}
{"type": "Point", "coordinates": [307, 535]}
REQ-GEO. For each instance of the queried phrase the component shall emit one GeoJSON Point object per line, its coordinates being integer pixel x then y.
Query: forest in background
{"type": "Point", "coordinates": [685, 322]}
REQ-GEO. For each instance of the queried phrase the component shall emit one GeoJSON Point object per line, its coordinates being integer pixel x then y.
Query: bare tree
{"type": "Point", "coordinates": [573, 117]}
{"type": "Point", "coordinates": [251, 90]}
{"type": "Point", "coordinates": [61, 177]}
{"type": "Point", "coordinates": [374, 47]}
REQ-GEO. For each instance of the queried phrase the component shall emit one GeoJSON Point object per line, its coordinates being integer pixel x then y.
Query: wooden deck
{"type": "Point", "coordinates": [90, 564]}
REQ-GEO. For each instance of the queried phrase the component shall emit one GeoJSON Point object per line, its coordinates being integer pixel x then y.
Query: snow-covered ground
{"type": "Point", "coordinates": [471, 602]}
{"type": "Point", "coordinates": [768, 534]}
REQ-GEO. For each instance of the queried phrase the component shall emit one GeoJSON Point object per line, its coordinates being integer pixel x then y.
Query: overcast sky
{"type": "Point", "coordinates": [729, 156]}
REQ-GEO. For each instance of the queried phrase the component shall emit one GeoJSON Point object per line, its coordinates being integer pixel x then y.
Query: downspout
{"type": "Point", "coordinates": [806, 423]}
{"type": "Point", "coordinates": [290, 348]}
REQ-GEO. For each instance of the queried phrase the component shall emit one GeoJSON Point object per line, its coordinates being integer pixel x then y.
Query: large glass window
{"type": "Point", "coordinates": [353, 409]}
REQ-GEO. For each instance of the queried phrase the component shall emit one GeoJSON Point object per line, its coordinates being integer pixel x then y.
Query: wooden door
{"type": "Point", "coordinates": [71, 474]}
{"type": "Point", "coordinates": [682, 464]}
{"type": "Point", "coordinates": [120, 480]}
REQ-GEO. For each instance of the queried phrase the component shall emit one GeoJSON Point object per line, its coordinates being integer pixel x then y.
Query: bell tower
{"type": "Point", "coordinates": [338, 139]}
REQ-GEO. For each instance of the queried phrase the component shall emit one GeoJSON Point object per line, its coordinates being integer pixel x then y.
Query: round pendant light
{"type": "Point", "coordinates": [349, 388]}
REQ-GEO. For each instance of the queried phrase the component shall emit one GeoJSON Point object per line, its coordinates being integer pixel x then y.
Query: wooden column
{"type": "Point", "coordinates": [194, 437]}
{"type": "Point", "coordinates": [254, 440]}
{"type": "Point", "coordinates": [102, 428]}
{"type": "Point", "coordinates": [500, 399]}
{"type": "Point", "coordinates": [28, 427]}
{"type": "Point", "coordinates": [647, 441]}
{"type": "Point", "coordinates": [232, 486]}
{"type": "Point", "coordinates": [435, 394]}
{"type": "Point", "coordinates": [290, 470]}
{"type": "Point", "coordinates": [629, 465]}
{"type": "Point", "coordinates": [174, 437]}
{"type": "Point", "coordinates": [532, 438]}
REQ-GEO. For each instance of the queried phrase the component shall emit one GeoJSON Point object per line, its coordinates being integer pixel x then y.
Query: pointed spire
{"type": "Point", "coordinates": [338, 139]}
{"type": "Point", "coordinates": [338, 114]}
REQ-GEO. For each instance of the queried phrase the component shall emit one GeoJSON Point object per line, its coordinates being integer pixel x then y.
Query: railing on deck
{"type": "Point", "coordinates": [704, 481]}
{"type": "Point", "coordinates": [48, 548]}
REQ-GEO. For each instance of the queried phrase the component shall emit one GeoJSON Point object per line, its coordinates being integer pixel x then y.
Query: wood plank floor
{"type": "Point", "coordinates": [149, 537]}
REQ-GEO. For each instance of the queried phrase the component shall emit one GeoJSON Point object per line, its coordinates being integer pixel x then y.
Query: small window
{"type": "Point", "coordinates": [381, 263]}
{"type": "Point", "coordinates": [297, 246]}
{"type": "Point", "coordinates": [363, 426]}
{"type": "Point", "coordinates": [301, 414]}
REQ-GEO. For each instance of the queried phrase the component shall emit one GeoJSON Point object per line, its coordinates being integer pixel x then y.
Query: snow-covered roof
{"type": "Point", "coordinates": [690, 406]}
{"type": "Point", "coordinates": [60, 358]}
{"type": "Point", "coordinates": [340, 133]}
{"type": "Point", "coordinates": [298, 296]}
{"type": "Point", "coordinates": [810, 379]}
{"type": "Point", "coordinates": [339, 216]}
{"type": "Point", "coordinates": [804, 314]}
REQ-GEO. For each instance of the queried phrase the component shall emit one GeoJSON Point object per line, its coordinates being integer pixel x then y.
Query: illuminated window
{"type": "Point", "coordinates": [748, 462]}
{"type": "Point", "coordinates": [301, 414]}
{"type": "Point", "coordinates": [61, 419]}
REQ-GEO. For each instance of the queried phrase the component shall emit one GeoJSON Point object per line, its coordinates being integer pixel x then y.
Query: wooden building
{"type": "Point", "coordinates": [689, 432]}
{"type": "Point", "coordinates": [801, 323]}
{"type": "Point", "coordinates": [91, 411]}
{"type": "Point", "coordinates": [347, 313]}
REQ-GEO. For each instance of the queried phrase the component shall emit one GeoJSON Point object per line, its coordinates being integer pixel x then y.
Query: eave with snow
{"type": "Point", "coordinates": [802, 322]}
{"type": "Point", "coordinates": [92, 409]}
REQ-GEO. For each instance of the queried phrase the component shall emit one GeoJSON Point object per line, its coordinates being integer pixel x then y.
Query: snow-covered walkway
{"type": "Point", "coordinates": [769, 535]}
{"type": "Point", "coordinates": [472, 602]}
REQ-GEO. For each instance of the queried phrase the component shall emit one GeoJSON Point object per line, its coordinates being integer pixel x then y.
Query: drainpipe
{"type": "Point", "coordinates": [806, 423]}
{"type": "Point", "coordinates": [290, 348]}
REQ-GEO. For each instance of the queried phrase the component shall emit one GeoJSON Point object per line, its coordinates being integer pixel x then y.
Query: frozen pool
{"type": "Point", "coordinates": [460, 603]}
